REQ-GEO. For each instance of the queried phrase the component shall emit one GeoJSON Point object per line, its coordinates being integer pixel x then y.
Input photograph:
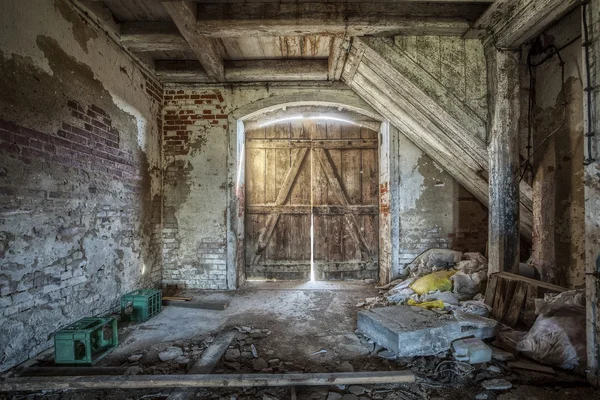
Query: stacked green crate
{"type": "Point", "coordinates": [144, 303]}
{"type": "Point", "coordinates": [85, 341]}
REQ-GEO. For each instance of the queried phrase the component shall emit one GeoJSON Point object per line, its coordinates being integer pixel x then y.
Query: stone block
{"type": "Point", "coordinates": [413, 331]}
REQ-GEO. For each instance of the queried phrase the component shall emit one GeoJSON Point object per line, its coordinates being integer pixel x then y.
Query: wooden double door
{"type": "Point", "coordinates": [312, 201]}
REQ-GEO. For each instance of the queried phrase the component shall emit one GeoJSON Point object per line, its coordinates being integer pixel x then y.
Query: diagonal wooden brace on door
{"type": "Point", "coordinates": [339, 193]}
{"type": "Point", "coordinates": [282, 196]}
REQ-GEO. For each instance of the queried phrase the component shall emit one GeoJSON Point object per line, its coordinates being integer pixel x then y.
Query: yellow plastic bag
{"type": "Point", "coordinates": [428, 304]}
{"type": "Point", "coordinates": [436, 281]}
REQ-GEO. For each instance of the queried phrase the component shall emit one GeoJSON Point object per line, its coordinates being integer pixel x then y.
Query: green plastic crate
{"type": "Point", "coordinates": [85, 341]}
{"type": "Point", "coordinates": [144, 303]}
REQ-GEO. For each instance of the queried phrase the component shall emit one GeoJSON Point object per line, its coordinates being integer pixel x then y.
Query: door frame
{"type": "Point", "coordinates": [389, 221]}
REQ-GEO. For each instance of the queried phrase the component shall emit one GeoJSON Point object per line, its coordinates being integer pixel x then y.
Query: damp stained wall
{"type": "Point", "coordinates": [557, 161]}
{"type": "Point", "coordinates": [79, 174]}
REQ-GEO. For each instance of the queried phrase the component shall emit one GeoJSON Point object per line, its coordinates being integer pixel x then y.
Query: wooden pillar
{"type": "Point", "coordinates": [592, 184]}
{"type": "Point", "coordinates": [389, 216]}
{"type": "Point", "coordinates": [503, 154]}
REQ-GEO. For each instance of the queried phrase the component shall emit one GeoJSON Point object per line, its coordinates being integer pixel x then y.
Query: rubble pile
{"type": "Point", "coordinates": [439, 279]}
{"type": "Point", "coordinates": [166, 358]}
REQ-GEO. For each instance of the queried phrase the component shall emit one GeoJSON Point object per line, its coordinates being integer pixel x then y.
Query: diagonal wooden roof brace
{"type": "Point", "coordinates": [185, 17]}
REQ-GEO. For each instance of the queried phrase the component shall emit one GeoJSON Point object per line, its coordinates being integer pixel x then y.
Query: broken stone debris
{"type": "Point", "coordinates": [471, 350]}
{"type": "Point", "coordinates": [135, 358]}
{"type": "Point", "coordinates": [345, 367]}
{"type": "Point", "coordinates": [232, 354]}
{"type": "Point", "coordinates": [357, 390]}
{"type": "Point", "coordinates": [170, 353]}
{"type": "Point", "coordinates": [496, 384]}
{"type": "Point", "coordinates": [501, 355]}
{"type": "Point", "coordinates": [259, 364]}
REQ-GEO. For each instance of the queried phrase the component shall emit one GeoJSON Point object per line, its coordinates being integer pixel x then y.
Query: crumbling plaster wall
{"type": "Point", "coordinates": [435, 211]}
{"type": "Point", "coordinates": [556, 168]}
{"type": "Point", "coordinates": [79, 174]}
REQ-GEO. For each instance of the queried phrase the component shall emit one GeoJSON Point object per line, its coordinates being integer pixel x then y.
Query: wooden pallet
{"type": "Point", "coordinates": [508, 294]}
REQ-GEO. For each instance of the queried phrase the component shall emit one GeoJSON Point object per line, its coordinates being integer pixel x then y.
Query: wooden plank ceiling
{"type": "Point", "coordinates": [219, 40]}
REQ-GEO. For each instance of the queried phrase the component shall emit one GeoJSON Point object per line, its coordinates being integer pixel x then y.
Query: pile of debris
{"type": "Point", "coordinates": [166, 358]}
{"type": "Point", "coordinates": [437, 310]}
{"type": "Point", "coordinates": [438, 279]}
{"type": "Point", "coordinates": [243, 354]}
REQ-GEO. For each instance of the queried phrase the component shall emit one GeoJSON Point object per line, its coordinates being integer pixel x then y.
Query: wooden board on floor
{"type": "Point", "coordinates": [176, 298]}
{"type": "Point", "coordinates": [204, 305]}
{"type": "Point", "coordinates": [198, 381]}
{"type": "Point", "coordinates": [207, 362]}
{"type": "Point", "coordinates": [72, 371]}
{"type": "Point", "coordinates": [531, 366]}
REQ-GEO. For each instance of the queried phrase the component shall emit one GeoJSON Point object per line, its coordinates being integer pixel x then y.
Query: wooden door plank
{"type": "Point", "coordinates": [351, 183]}
{"type": "Point", "coordinates": [301, 195]}
{"type": "Point", "coordinates": [336, 188]}
{"type": "Point", "coordinates": [319, 192]}
{"type": "Point", "coordinates": [335, 224]}
{"type": "Point", "coordinates": [282, 196]}
{"type": "Point", "coordinates": [279, 240]}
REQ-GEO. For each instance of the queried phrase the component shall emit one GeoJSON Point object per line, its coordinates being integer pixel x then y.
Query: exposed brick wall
{"type": "Point", "coordinates": [87, 142]}
{"type": "Point", "coordinates": [191, 118]}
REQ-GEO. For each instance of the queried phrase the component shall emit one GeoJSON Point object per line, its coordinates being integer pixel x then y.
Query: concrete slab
{"type": "Point", "coordinates": [413, 331]}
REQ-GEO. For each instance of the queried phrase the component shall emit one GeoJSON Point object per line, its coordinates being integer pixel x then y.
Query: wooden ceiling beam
{"type": "Point", "coordinates": [152, 36]}
{"type": "Point", "coordinates": [184, 15]}
{"type": "Point", "coordinates": [349, 19]}
{"type": "Point", "coordinates": [510, 23]}
{"type": "Point", "coordinates": [245, 71]}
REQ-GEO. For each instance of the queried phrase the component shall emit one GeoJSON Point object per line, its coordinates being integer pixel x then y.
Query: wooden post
{"type": "Point", "coordinates": [592, 184]}
{"type": "Point", "coordinates": [503, 154]}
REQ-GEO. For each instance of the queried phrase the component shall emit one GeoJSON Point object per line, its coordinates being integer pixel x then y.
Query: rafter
{"type": "Point", "coordinates": [510, 23]}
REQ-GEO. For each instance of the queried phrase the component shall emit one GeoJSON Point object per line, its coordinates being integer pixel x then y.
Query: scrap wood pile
{"type": "Point", "coordinates": [438, 279]}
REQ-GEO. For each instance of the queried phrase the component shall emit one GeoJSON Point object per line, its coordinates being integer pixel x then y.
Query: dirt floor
{"type": "Point", "coordinates": [294, 328]}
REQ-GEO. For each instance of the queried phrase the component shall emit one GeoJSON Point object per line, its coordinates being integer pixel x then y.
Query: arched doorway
{"type": "Point", "coordinates": [244, 242]}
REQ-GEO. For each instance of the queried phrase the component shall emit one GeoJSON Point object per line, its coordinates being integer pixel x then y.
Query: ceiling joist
{"type": "Point", "coordinates": [245, 71]}
{"type": "Point", "coordinates": [349, 19]}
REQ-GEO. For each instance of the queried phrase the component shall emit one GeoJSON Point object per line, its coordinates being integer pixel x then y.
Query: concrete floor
{"type": "Point", "coordinates": [303, 318]}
